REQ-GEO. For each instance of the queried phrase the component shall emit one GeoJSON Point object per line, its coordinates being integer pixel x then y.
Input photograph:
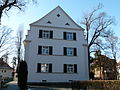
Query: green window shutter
{"type": "Point", "coordinates": [51, 34]}
{"type": "Point", "coordinates": [50, 50]}
{"type": "Point", "coordinates": [40, 33]}
{"type": "Point", "coordinates": [65, 68]}
{"type": "Point", "coordinates": [75, 68]}
{"type": "Point", "coordinates": [65, 51]}
{"type": "Point", "coordinates": [50, 68]}
{"type": "Point", "coordinates": [38, 67]}
{"type": "Point", "coordinates": [74, 36]}
{"type": "Point", "coordinates": [39, 49]}
{"type": "Point", "coordinates": [75, 51]}
{"type": "Point", "coordinates": [64, 35]}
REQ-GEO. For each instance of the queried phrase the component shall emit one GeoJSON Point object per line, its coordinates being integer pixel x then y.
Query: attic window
{"type": "Point", "coordinates": [49, 22]}
{"type": "Point", "coordinates": [58, 15]}
{"type": "Point", "coordinates": [67, 24]}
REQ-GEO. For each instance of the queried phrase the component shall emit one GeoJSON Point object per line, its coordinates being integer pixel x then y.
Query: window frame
{"type": "Point", "coordinates": [70, 68]}
{"type": "Point", "coordinates": [69, 36]}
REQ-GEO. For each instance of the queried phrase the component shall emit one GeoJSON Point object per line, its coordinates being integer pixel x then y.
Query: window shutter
{"type": "Point", "coordinates": [64, 35]}
{"type": "Point", "coordinates": [38, 67]}
{"type": "Point", "coordinates": [50, 50]}
{"type": "Point", "coordinates": [75, 52]}
{"type": "Point", "coordinates": [75, 68]}
{"type": "Point", "coordinates": [51, 34]}
{"type": "Point", "coordinates": [50, 68]}
{"type": "Point", "coordinates": [65, 68]}
{"type": "Point", "coordinates": [65, 51]}
{"type": "Point", "coordinates": [39, 49]}
{"type": "Point", "coordinates": [74, 36]}
{"type": "Point", "coordinates": [40, 33]}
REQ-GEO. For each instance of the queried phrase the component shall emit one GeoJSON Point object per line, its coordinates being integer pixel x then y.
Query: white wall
{"type": "Point", "coordinates": [57, 59]}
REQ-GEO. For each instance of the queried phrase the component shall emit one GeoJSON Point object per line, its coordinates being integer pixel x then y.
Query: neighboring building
{"type": "Point", "coordinates": [5, 70]}
{"type": "Point", "coordinates": [55, 49]}
{"type": "Point", "coordinates": [118, 68]}
{"type": "Point", "coordinates": [104, 67]}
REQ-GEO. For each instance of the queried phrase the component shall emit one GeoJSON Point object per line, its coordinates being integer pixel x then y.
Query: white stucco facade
{"type": "Point", "coordinates": [57, 59]}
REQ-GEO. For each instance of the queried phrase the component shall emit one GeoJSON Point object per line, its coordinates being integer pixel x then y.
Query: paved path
{"type": "Point", "coordinates": [11, 86]}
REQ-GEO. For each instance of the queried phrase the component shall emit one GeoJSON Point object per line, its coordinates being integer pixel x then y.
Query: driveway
{"type": "Point", "coordinates": [11, 86]}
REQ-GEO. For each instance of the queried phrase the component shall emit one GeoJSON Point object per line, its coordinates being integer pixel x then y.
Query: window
{"type": "Point", "coordinates": [69, 36]}
{"type": "Point", "coordinates": [70, 51]}
{"type": "Point", "coordinates": [70, 68]}
{"type": "Point", "coordinates": [45, 50]}
{"type": "Point", "coordinates": [45, 34]}
{"type": "Point", "coordinates": [44, 67]}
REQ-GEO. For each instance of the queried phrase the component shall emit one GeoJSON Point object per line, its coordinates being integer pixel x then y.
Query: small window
{"type": "Point", "coordinates": [45, 34]}
{"type": "Point", "coordinates": [58, 15]}
{"type": "Point", "coordinates": [69, 36]}
{"type": "Point", "coordinates": [70, 68]}
{"type": "Point", "coordinates": [67, 24]}
{"type": "Point", "coordinates": [49, 22]}
{"type": "Point", "coordinates": [45, 50]}
{"type": "Point", "coordinates": [4, 70]}
{"type": "Point", "coordinates": [70, 51]}
{"type": "Point", "coordinates": [44, 80]}
{"type": "Point", "coordinates": [42, 67]}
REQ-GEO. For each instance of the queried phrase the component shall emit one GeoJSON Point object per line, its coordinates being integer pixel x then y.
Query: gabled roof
{"type": "Point", "coordinates": [57, 18]}
{"type": "Point", "coordinates": [4, 65]}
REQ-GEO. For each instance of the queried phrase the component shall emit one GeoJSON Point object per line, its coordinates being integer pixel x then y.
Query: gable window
{"type": "Point", "coordinates": [42, 67]}
{"type": "Point", "coordinates": [70, 51]}
{"type": "Point", "coordinates": [45, 50]}
{"type": "Point", "coordinates": [70, 68]}
{"type": "Point", "coordinates": [69, 36]}
{"type": "Point", "coordinates": [45, 34]}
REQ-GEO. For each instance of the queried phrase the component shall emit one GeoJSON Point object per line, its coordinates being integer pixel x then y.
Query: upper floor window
{"type": "Point", "coordinates": [70, 51]}
{"type": "Point", "coordinates": [45, 50]}
{"type": "Point", "coordinates": [69, 36]}
{"type": "Point", "coordinates": [44, 67]}
{"type": "Point", "coordinates": [45, 34]}
{"type": "Point", "coordinates": [70, 68]}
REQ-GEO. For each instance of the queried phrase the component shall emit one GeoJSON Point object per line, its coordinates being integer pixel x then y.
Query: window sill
{"type": "Point", "coordinates": [55, 55]}
{"type": "Point", "coordinates": [55, 73]}
{"type": "Point", "coordinates": [56, 39]}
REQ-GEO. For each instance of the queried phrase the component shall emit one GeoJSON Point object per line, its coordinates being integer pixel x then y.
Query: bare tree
{"type": "Point", "coordinates": [18, 41]}
{"type": "Point", "coordinates": [5, 41]}
{"type": "Point", "coordinates": [6, 5]}
{"type": "Point", "coordinates": [96, 25]}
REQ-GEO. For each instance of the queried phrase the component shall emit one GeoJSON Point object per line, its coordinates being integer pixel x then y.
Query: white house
{"type": "Point", "coordinates": [55, 49]}
{"type": "Point", "coordinates": [5, 70]}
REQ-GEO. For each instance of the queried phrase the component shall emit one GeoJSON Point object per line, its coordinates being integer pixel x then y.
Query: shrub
{"type": "Point", "coordinates": [97, 84]}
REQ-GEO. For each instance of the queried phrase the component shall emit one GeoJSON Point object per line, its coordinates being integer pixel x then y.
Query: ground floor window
{"type": "Point", "coordinates": [43, 67]}
{"type": "Point", "coordinates": [70, 68]}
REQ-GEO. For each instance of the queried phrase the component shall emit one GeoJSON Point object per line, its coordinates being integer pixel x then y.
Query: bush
{"type": "Point", "coordinates": [97, 84]}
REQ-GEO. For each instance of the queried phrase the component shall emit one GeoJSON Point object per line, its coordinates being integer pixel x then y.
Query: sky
{"type": "Point", "coordinates": [74, 8]}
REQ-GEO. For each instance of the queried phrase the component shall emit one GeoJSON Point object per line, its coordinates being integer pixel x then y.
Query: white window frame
{"type": "Point", "coordinates": [70, 51]}
{"type": "Point", "coordinates": [44, 67]}
{"type": "Point", "coordinates": [45, 34]}
{"type": "Point", "coordinates": [69, 36]}
{"type": "Point", "coordinates": [70, 68]}
{"type": "Point", "coordinates": [45, 50]}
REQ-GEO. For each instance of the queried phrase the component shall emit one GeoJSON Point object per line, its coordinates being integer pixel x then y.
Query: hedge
{"type": "Point", "coordinates": [97, 84]}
